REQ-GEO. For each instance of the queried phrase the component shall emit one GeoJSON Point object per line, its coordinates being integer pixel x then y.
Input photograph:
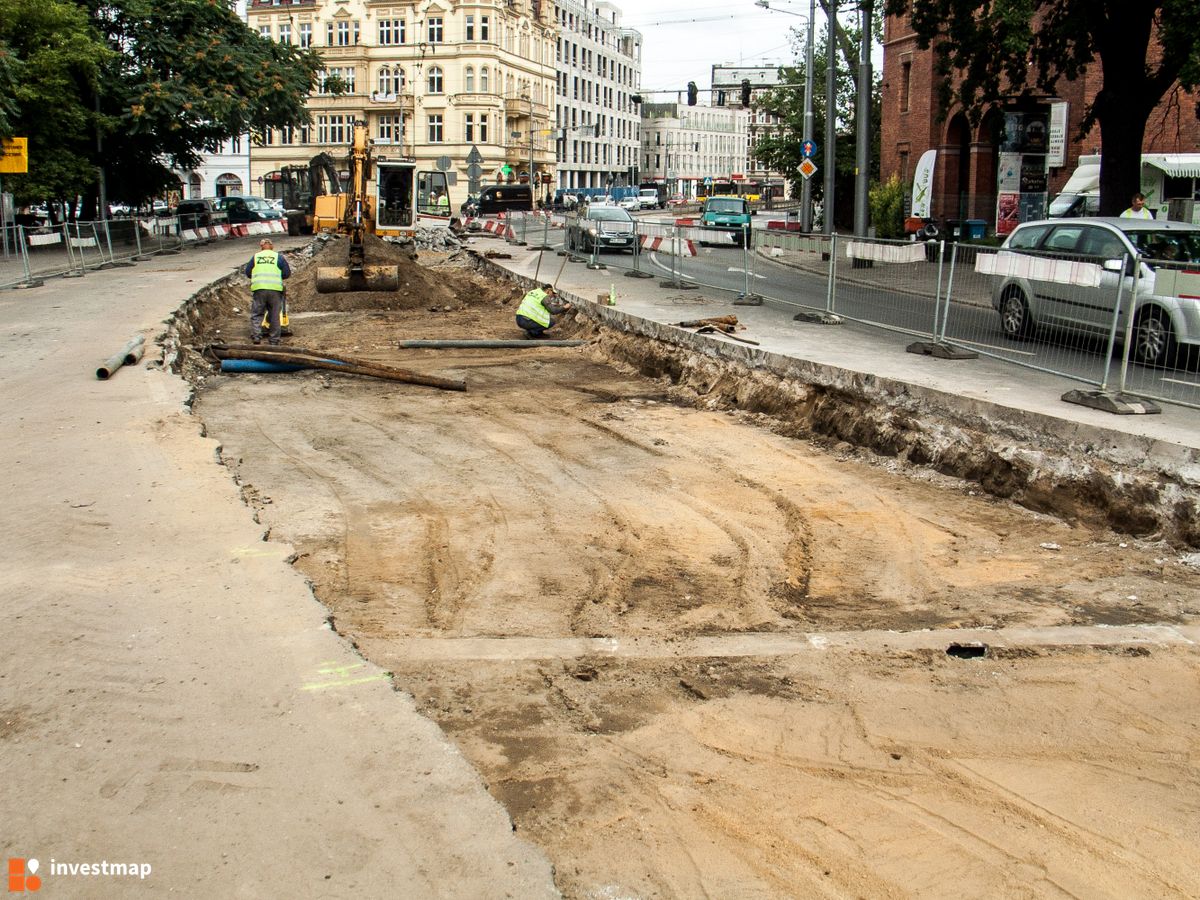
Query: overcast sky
{"type": "Point", "coordinates": [683, 40]}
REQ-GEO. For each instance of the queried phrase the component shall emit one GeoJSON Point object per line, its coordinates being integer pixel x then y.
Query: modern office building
{"type": "Point", "coordinates": [727, 91]}
{"type": "Point", "coordinates": [687, 146]}
{"type": "Point", "coordinates": [431, 80]}
{"type": "Point", "coordinates": [597, 124]}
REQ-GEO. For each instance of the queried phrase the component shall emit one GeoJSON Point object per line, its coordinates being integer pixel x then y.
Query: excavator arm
{"type": "Point", "coordinates": [357, 221]}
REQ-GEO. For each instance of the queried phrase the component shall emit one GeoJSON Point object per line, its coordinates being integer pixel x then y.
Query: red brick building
{"type": "Point", "coordinates": [965, 177]}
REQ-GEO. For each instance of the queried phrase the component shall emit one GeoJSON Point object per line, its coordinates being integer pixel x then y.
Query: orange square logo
{"type": "Point", "coordinates": [21, 877]}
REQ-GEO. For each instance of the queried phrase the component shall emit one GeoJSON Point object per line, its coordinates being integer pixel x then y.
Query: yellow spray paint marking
{"type": "Point", "coordinates": [343, 677]}
{"type": "Point", "coordinates": [254, 551]}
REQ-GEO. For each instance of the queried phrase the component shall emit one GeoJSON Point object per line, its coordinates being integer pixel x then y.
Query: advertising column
{"type": "Point", "coordinates": [1021, 179]}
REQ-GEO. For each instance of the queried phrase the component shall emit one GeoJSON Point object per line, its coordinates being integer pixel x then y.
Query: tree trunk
{"type": "Point", "coordinates": [1124, 103]}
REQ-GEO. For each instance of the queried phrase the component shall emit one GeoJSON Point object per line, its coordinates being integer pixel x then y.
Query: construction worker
{"type": "Point", "coordinates": [1137, 209]}
{"type": "Point", "coordinates": [534, 313]}
{"type": "Point", "coordinates": [266, 271]}
{"type": "Point", "coordinates": [441, 203]}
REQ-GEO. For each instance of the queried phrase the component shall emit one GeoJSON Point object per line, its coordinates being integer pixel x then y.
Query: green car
{"type": "Point", "coordinates": [728, 214]}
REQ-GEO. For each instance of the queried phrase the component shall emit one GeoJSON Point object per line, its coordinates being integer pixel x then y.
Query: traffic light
{"type": "Point", "coordinates": [745, 92]}
{"type": "Point", "coordinates": [692, 92]}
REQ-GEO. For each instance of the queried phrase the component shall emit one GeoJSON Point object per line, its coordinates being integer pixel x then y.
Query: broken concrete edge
{"type": "Point", "coordinates": [1132, 484]}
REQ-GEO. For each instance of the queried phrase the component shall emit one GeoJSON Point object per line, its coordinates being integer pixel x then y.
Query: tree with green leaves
{"type": "Point", "coordinates": [781, 150]}
{"type": "Point", "coordinates": [151, 84]}
{"type": "Point", "coordinates": [1007, 50]}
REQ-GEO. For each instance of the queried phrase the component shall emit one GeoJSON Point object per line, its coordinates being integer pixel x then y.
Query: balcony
{"type": "Point", "coordinates": [379, 98]}
{"type": "Point", "coordinates": [353, 52]}
{"type": "Point", "coordinates": [519, 107]}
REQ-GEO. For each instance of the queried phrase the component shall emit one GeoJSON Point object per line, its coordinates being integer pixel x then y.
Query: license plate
{"type": "Point", "coordinates": [619, 240]}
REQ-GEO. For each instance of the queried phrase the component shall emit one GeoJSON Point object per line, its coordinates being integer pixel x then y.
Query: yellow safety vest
{"type": "Point", "coordinates": [266, 274]}
{"type": "Point", "coordinates": [531, 308]}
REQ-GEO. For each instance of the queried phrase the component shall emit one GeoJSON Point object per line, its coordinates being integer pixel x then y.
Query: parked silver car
{"type": "Point", "coordinates": [1157, 251]}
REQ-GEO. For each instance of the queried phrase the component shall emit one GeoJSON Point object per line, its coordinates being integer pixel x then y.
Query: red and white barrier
{"type": "Point", "coordinates": [668, 245]}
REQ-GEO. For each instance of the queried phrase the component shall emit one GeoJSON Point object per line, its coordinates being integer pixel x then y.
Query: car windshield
{"type": "Point", "coordinates": [726, 206]}
{"type": "Point", "coordinates": [1169, 246]}
{"type": "Point", "coordinates": [258, 204]}
{"type": "Point", "coordinates": [609, 214]}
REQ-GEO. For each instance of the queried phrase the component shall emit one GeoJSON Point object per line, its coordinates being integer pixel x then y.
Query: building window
{"type": "Point", "coordinates": [435, 129]}
{"type": "Point", "coordinates": [469, 127]}
{"type": "Point", "coordinates": [483, 128]}
{"type": "Point", "coordinates": [390, 129]}
{"type": "Point", "coordinates": [391, 32]}
{"type": "Point", "coordinates": [305, 34]}
{"type": "Point", "coordinates": [435, 80]}
{"type": "Point", "coordinates": [286, 134]}
{"type": "Point", "coordinates": [435, 29]}
{"type": "Point", "coordinates": [333, 130]}
{"type": "Point", "coordinates": [391, 81]}
{"type": "Point", "coordinates": [483, 80]}
{"type": "Point", "coordinates": [905, 84]}
{"type": "Point", "coordinates": [343, 34]}
{"type": "Point", "coordinates": [285, 33]}
{"type": "Point", "coordinates": [470, 28]}
{"type": "Point", "coordinates": [264, 31]}
{"type": "Point", "coordinates": [469, 79]}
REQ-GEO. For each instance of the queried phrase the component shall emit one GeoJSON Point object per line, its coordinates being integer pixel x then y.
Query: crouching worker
{"type": "Point", "coordinates": [266, 271]}
{"type": "Point", "coordinates": [537, 307]}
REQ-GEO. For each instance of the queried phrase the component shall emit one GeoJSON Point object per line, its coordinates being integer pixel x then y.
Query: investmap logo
{"type": "Point", "coordinates": [22, 876]}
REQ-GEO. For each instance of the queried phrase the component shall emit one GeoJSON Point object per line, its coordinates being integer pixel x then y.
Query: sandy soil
{"type": "Point", "coordinates": [561, 498]}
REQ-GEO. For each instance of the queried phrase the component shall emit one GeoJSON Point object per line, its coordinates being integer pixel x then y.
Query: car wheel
{"type": "Point", "coordinates": [1014, 315]}
{"type": "Point", "coordinates": [1154, 339]}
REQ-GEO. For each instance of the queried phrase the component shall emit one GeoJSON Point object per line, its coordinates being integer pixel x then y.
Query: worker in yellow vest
{"type": "Point", "coordinates": [266, 271]}
{"type": "Point", "coordinates": [535, 314]}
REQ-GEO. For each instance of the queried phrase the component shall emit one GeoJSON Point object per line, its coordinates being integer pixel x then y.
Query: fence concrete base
{"type": "Point", "coordinates": [941, 350]}
{"type": "Point", "coordinates": [1113, 402]}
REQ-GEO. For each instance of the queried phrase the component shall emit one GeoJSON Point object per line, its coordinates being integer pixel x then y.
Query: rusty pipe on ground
{"type": "Point", "coordinates": [487, 344]}
{"type": "Point", "coordinates": [332, 363]}
{"type": "Point", "coordinates": [124, 356]}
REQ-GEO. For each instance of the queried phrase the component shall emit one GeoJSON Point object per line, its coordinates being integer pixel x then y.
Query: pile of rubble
{"type": "Point", "coordinates": [436, 239]}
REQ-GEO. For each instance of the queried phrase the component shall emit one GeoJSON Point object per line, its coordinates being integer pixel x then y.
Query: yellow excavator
{"type": "Point", "coordinates": [350, 213]}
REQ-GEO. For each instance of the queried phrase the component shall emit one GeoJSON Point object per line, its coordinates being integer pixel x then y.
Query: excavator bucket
{"type": "Point", "coordinates": [333, 280]}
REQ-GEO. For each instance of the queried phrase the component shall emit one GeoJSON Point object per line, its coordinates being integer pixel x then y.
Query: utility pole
{"type": "Point", "coordinates": [827, 204]}
{"type": "Point", "coordinates": [806, 209]}
{"type": "Point", "coordinates": [862, 156]}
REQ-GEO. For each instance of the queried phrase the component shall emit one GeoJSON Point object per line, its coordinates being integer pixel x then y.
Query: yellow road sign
{"type": "Point", "coordinates": [14, 156]}
{"type": "Point", "coordinates": [808, 168]}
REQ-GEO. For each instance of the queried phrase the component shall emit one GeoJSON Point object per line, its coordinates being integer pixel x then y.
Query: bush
{"type": "Point", "coordinates": [887, 208]}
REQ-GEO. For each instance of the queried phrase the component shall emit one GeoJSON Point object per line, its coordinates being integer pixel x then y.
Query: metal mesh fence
{"type": "Point", "coordinates": [13, 263]}
{"type": "Point", "coordinates": [49, 252]}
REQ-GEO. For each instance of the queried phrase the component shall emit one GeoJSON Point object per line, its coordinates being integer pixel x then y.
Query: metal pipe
{"type": "Point", "coordinates": [1133, 295]}
{"type": "Point", "coordinates": [258, 365]}
{"type": "Point", "coordinates": [114, 362]}
{"type": "Point", "coordinates": [827, 204]}
{"type": "Point", "coordinates": [486, 344]}
{"type": "Point", "coordinates": [1112, 329]}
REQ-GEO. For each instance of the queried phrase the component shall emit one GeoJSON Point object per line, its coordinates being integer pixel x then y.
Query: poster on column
{"type": "Point", "coordinates": [1008, 207]}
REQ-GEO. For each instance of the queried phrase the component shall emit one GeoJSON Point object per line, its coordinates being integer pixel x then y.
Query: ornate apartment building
{"type": "Point", "coordinates": [597, 124]}
{"type": "Point", "coordinates": [431, 79]}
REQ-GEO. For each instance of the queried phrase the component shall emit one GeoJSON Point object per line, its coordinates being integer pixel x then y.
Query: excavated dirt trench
{"type": "Point", "coordinates": [606, 572]}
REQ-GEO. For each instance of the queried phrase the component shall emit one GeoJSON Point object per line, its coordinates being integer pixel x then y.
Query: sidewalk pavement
{"type": "Point", "coordinates": [170, 691]}
{"type": "Point", "coordinates": [983, 387]}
